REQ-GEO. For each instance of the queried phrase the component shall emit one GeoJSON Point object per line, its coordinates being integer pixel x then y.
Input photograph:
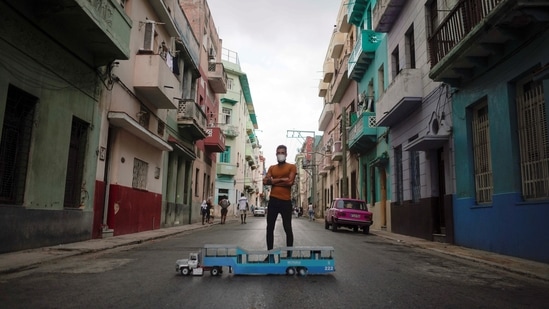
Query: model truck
{"type": "Point", "coordinates": [286, 260]}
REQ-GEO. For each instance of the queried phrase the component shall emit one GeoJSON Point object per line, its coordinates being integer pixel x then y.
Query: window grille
{"type": "Point", "coordinates": [140, 169]}
{"type": "Point", "coordinates": [75, 196]}
{"type": "Point", "coordinates": [15, 144]}
{"type": "Point", "coordinates": [415, 182]}
{"type": "Point", "coordinates": [484, 185]}
{"type": "Point", "coordinates": [534, 143]}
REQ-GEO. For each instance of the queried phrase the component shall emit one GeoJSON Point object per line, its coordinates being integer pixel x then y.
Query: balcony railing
{"type": "Point", "coordinates": [363, 134]}
{"type": "Point", "coordinates": [356, 10]}
{"type": "Point", "coordinates": [154, 81]}
{"type": "Point", "coordinates": [217, 77]}
{"type": "Point", "coordinates": [337, 151]}
{"type": "Point", "coordinates": [337, 44]}
{"type": "Point", "coordinates": [97, 31]}
{"type": "Point", "coordinates": [192, 118]}
{"type": "Point", "coordinates": [459, 22]}
{"type": "Point", "coordinates": [329, 70]}
{"type": "Point", "coordinates": [403, 96]}
{"type": "Point", "coordinates": [322, 88]}
{"type": "Point", "coordinates": [385, 14]}
{"type": "Point", "coordinates": [226, 169]}
{"type": "Point", "coordinates": [325, 116]}
{"type": "Point", "coordinates": [215, 141]}
{"type": "Point", "coordinates": [363, 53]}
{"type": "Point", "coordinates": [229, 130]}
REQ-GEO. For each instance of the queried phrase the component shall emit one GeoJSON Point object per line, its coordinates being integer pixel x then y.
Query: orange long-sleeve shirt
{"type": "Point", "coordinates": [282, 171]}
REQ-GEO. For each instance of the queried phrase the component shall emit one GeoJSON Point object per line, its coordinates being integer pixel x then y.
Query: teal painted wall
{"type": "Point", "coordinates": [508, 225]}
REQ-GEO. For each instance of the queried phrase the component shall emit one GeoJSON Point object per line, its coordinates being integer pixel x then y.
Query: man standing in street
{"type": "Point", "coordinates": [281, 178]}
{"type": "Point", "coordinates": [224, 203]}
{"type": "Point", "coordinates": [242, 207]}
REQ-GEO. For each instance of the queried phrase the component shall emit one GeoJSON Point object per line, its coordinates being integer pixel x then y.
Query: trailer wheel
{"type": "Point", "coordinates": [290, 271]}
{"type": "Point", "coordinates": [302, 271]}
{"type": "Point", "coordinates": [215, 271]}
{"type": "Point", "coordinates": [184, 271]}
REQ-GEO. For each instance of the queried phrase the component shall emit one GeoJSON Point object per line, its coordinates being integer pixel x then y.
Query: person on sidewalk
{"type": "Point", "coordinates": [224, 204]}
{"type": "Point", "coordinates": [210, 210]}
{"type": "Point", "coordinates": [242, 207]}
{"type": "Point", "coordinates": [311, 212]}
{"type": "Point", "coordinates": [281, 179]}
{"type": "Point", "coordinates": [204, 210]}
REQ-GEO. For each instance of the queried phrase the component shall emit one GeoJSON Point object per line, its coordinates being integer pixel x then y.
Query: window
{"type": "Point", "coordinates": [230, 83]}
{"type": "Point", "coordinates": [432, 20]}
{"type": "Point", "coordinates": [140, 169]}
{"type": "Point", "coordinates": [15, 144]}
{"type": "Point", "coordinates": [196, 182]}
{"type": "Point", "coordinates": [533, 140]}
{"type": "Point", "coordinates": [410, 48]}
{"type": "Point", "coordinates": [75, 164]}
{"type": "Point", "coordinates": [380, 80]}
{"type": "Point", "coordinates": [226, 115]}
{"type": "Point", "coordinates": [395, 67]}
{"type": "Point", "coordinates": [415, 183]}
{"type": "Point", "coordinates": [225, 157]}
{"type": "Point", "coordinates": [481, 153]}
{"type": "Point", "coordinates": [399, 179]}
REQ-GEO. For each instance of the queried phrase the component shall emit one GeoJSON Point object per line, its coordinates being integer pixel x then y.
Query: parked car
{"type": "Point", "coordinates": [349, 213]}
{"type": "Point", "coordinates": [259, 211]}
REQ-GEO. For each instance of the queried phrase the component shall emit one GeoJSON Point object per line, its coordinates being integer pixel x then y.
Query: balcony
{"type": "Point", "coordinates": [249, 155]}
{"type": "Point", "coordinates": [96, 31]}
{"type": "Point", "coordinates": [325, 116]}
{"type": "Point", "coordinates": [154, 81]}
{"type": "Point", "coordinates": [386, 13]}
{"type": "Point", "coordinates": [363, 134]}
{"type": "Point", "coordinates": [322, 89]}
{"type": "Point", "coordinates": [328, 70]}
{"type": "Point", "coordinates": [356, 10]}
{"type": "Point", "coordinates": [217, 77]}
{"type": "Point", "coordinates": [215, 141]}
{"type": "Point", "coordinates": [477, 35]}
{"type": "Point", "coordinates": [363, 54]}
{"type": "Point", "coordinates": [229, 130]}
{"type": "Point", "coordinates": [327, 163]}
{"type": "Point", "coordinates": [192, 119]}
{"type": "Point", "coordinates": [178, 27]}
{"type": "Point", "coordinates": [337, 152]}
{"type": "Point", "coordinates": [403, 96]}
{"type": "Point", "coordinates": [337, 44]}
{"type": "Point", "coordinates": [248, 183]}
{"type": "Point", "coordinates": [342, 80]}
{"type": "Point", "coordinates": [342, 20]}
{"type": "Point", "coordinates": [226, 169]}
{"type": "Point", "coordinates": [124, 121]}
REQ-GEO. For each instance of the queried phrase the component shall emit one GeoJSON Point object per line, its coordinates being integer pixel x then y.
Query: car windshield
{"type": "Point", "coordinates": [358, 205]}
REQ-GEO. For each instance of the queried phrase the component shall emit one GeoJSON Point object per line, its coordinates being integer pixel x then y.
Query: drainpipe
{"type": "Point", "coordinates": [344, 189]}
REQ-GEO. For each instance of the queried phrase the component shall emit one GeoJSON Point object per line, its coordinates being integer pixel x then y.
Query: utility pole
{"type": "Point", "coordinates": [344, 185]}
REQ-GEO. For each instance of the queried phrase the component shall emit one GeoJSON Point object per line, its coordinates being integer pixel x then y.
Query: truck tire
{"type": "Point", "coordinates": [302, 271]}
{"type": "Point", "coordinates": [290, 271]}
{"type": "Point", "coordinates": [185, 271]}
{"type": "Point", "coordinates": [215, 271]}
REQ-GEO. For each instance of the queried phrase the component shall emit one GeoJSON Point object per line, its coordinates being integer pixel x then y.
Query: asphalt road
{"type": "Point", "coordinates": [370, 273]}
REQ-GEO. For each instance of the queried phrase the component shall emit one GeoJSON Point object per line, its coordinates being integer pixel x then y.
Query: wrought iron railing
{"type": "Point", "coordinates": [457, 24]}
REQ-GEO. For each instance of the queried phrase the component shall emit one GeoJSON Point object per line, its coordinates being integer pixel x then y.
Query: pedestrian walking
{"type": "Point", "coordinates": [224, 203]}
{"type": "Point", "coordinates": [242, 207]}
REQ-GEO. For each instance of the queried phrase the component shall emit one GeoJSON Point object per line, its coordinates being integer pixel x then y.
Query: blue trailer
{"type": "Point", "coordinates": [301, 260]}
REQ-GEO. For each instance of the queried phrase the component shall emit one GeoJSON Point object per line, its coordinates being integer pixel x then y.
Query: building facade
{"type": "Point", "coordinates": [50, 116]}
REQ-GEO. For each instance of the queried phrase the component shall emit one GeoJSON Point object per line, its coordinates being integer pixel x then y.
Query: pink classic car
{"type": "Point", "coordinates": [349, 213]}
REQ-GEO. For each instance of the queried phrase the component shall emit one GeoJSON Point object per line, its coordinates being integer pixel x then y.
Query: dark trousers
{"type": "Point", "coordinates": [284, 208]}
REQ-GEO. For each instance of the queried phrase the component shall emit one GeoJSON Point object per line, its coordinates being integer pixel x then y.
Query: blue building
{"type": "Point", "coordinates": [497, 65]}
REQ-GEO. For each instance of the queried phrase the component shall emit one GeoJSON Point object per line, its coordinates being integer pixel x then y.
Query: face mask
{"type": "Point", "coordinates": [280, 158]}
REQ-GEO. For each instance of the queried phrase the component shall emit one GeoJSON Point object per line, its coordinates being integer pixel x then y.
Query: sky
{"type": "Point", "coordinates": [281, 47]}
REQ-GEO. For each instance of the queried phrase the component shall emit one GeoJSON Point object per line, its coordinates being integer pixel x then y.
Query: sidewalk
{"type": "Point", "coordinates": [28, 259]}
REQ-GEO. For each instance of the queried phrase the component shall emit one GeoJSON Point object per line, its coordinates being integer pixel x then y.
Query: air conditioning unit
{"type": "Point", "coordinates": [148, 38]}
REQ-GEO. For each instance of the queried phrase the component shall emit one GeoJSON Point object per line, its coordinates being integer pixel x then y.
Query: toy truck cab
{"type": "Point", "coordinates": [190, 265]}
